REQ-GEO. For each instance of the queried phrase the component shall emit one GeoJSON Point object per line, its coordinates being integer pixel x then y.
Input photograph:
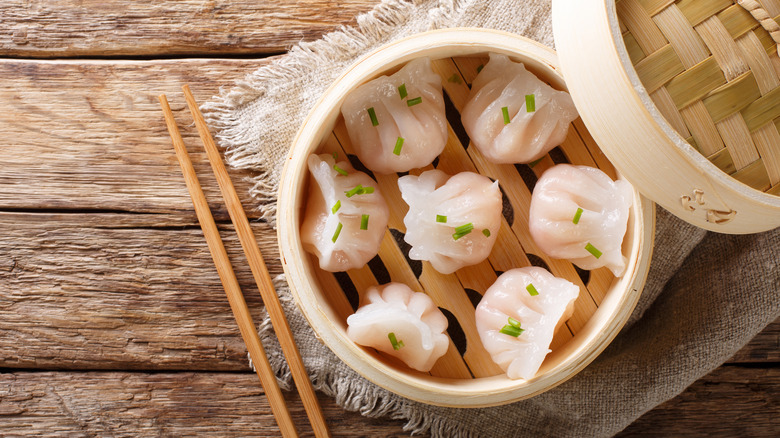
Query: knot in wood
{"type": "Point", "coordinates": [20, 36]}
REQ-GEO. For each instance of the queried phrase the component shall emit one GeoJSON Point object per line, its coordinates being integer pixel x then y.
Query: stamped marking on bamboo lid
{"type": "Point", "coordinates": [720, 217]}
{"type": "Point", "coordinates": [713, 216]}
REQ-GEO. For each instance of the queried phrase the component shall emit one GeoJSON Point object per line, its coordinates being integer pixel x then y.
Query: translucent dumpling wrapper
{"type": "Point", "coordinates": [452, 221]}
{"type": "Point", "coordinates": [346, 215]}
{"type": "Point", "coordinates": [402, 323]}
{"type": "Point", "coordinates": [590, 238]}
{"type": "Point", "coordinates": [391, 133]}
{"type": "Point", "coordinates": [533, 304]}
{"type": "Point", "coordinates": [507, 125]}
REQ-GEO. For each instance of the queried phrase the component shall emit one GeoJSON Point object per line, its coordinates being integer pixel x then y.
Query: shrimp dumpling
{"type": "Point", "coordinates": [578, 213]}
{"type": "Point", "coordinates": [536, 118]}
{"type": "Point", "coordinates": [452, 221]}
{"type": "Point", "coordinates": [346, 215]}
{"type": "Point", "coordinates": [397, 123]}
{"type": "Point", "coordinates": [402, 323]}
{"type": "Point", "coordinates": [518, 316]}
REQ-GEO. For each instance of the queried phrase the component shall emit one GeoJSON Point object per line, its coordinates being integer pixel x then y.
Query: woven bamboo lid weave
{"type": "Point", "coordinates": [707, 73]}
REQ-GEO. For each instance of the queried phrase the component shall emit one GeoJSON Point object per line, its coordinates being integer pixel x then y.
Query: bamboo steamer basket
{"type": "Point", "coordinates": [684, 98]}
{"type": "Point", "coordinates": [465, 376]}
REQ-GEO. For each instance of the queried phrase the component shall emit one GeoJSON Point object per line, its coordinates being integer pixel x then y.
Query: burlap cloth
{"type": "Point", "coordinates": [706, 295]}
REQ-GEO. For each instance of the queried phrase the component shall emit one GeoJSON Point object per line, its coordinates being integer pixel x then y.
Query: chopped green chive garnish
{"type": "Point", "coordinates": [415, 101]}
{"type": "Point", "coordinates": [335, 155]}
{"type": "Point", "coordinates": [352, 192]}
{"type": "Point", "coordinates": [364, 222]}
{"type": "Point", "coordinates": [340, 170]}
{"type": "Point", "coordinates": [338, 231]}
{"type": "Point", "coordinates": [372, 114]}
{"type": "Point", "coordinates": [592, 249]}
{"type": "Point", "coordinates": [486, 232]}
{"type": "Point", "coordinates": [577, 216]}
{"type": "Point", "coordinates": [462, 230]}
{"type": "Point", "coordinates": [505, 112]}
{"type": "Point", "coordinates": [359, 190]}
{"type": "Point", "coordinates": [402, 91]}
{"type": "Point", "coordinates": [512, 329]}
{"type": "Point", "coordinates": [441, 219]}
{"type": "Point", "coordinates": [398, 145]}
{"type": "Point", "coordinates": [532, 290]}
{"type": "Point", "coordinates": [455, 78]}
{"type": "Point", "coordinates": [530, 103]}
{"type": "Point", "coordinates": [535, 162]}
{"type": "Point", "coordinates": [394, 342]}
{"type": "Point", "coordinates": [336, 207]}
{"type": "Point", "coordinates": [480, 67]}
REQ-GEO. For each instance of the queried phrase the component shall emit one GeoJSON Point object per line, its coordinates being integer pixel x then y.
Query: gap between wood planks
{"type": "Point", "coordinates": [118, 59]}
{"type": "Point", "coordinates": [123, 60]}
{"type": "Point", "coordinates": [178, 220]}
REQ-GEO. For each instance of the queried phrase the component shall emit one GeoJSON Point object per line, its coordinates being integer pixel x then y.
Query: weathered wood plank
{"type": "Point", "coordinates": [119, 291]}
{"type": "Point", "coordinates": [730, 401]}
{"type": "Point", "coordinates": [180, 404]}
{"type": "Point", "coordinates": [90, 135]}
{"type": "Point", "coordinates": [96, 28]}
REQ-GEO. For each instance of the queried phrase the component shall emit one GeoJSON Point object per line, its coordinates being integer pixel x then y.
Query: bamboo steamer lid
{"type": "Point", "coordinates": [466, 375]}
{"type": "Point", "coordinates": [684, 98]}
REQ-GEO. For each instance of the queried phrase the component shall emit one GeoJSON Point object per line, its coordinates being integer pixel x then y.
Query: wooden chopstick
{"type": "Point", "coordinates": [260, 273]}
{"type": "Point", "coordinates": [229, 281]}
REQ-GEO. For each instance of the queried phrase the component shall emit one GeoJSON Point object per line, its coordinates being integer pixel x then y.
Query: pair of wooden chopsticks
{"type": "Point", "coordinates": [259, 271]}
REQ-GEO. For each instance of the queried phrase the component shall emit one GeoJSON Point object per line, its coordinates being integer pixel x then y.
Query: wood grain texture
{"type": "Point", "coordinates": [232, 404]}
{"type": "Point", "coordinates": [90, 135]}
{"type": "Point", "coordinates": [122, 404]}
{"type": "Point", "coordinates": [119, 291]}
{"type": "Point", "coordinates": [752, 398]}
{"type": "Point", "coordinates": [103, 266]}
{"type": "Point", "coordinates": [142, 28]}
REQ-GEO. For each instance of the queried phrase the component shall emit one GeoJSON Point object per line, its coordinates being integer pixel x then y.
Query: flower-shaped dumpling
{"type": "Point", "coordinates": [452, 221]}
{"type": "Point", "coordinates": [578, 213]}
{"type": "Point", "coordinates": [397, 123]}
{"type": "Point", "coordinates": [346, 215]}
{"type": "Point", "coordinates": [402, 323]}
{"type": "Point", "coordinates": [514, 117]}
{"type": "Point", "coordinates": [518, 315]}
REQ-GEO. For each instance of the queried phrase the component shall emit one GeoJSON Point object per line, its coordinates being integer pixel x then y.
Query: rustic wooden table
{"type": "Point", "coordinates": [112, 317]}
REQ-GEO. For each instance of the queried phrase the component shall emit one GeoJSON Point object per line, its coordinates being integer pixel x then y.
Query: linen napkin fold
{"type": "Point", "coordinates": [706, 295]}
